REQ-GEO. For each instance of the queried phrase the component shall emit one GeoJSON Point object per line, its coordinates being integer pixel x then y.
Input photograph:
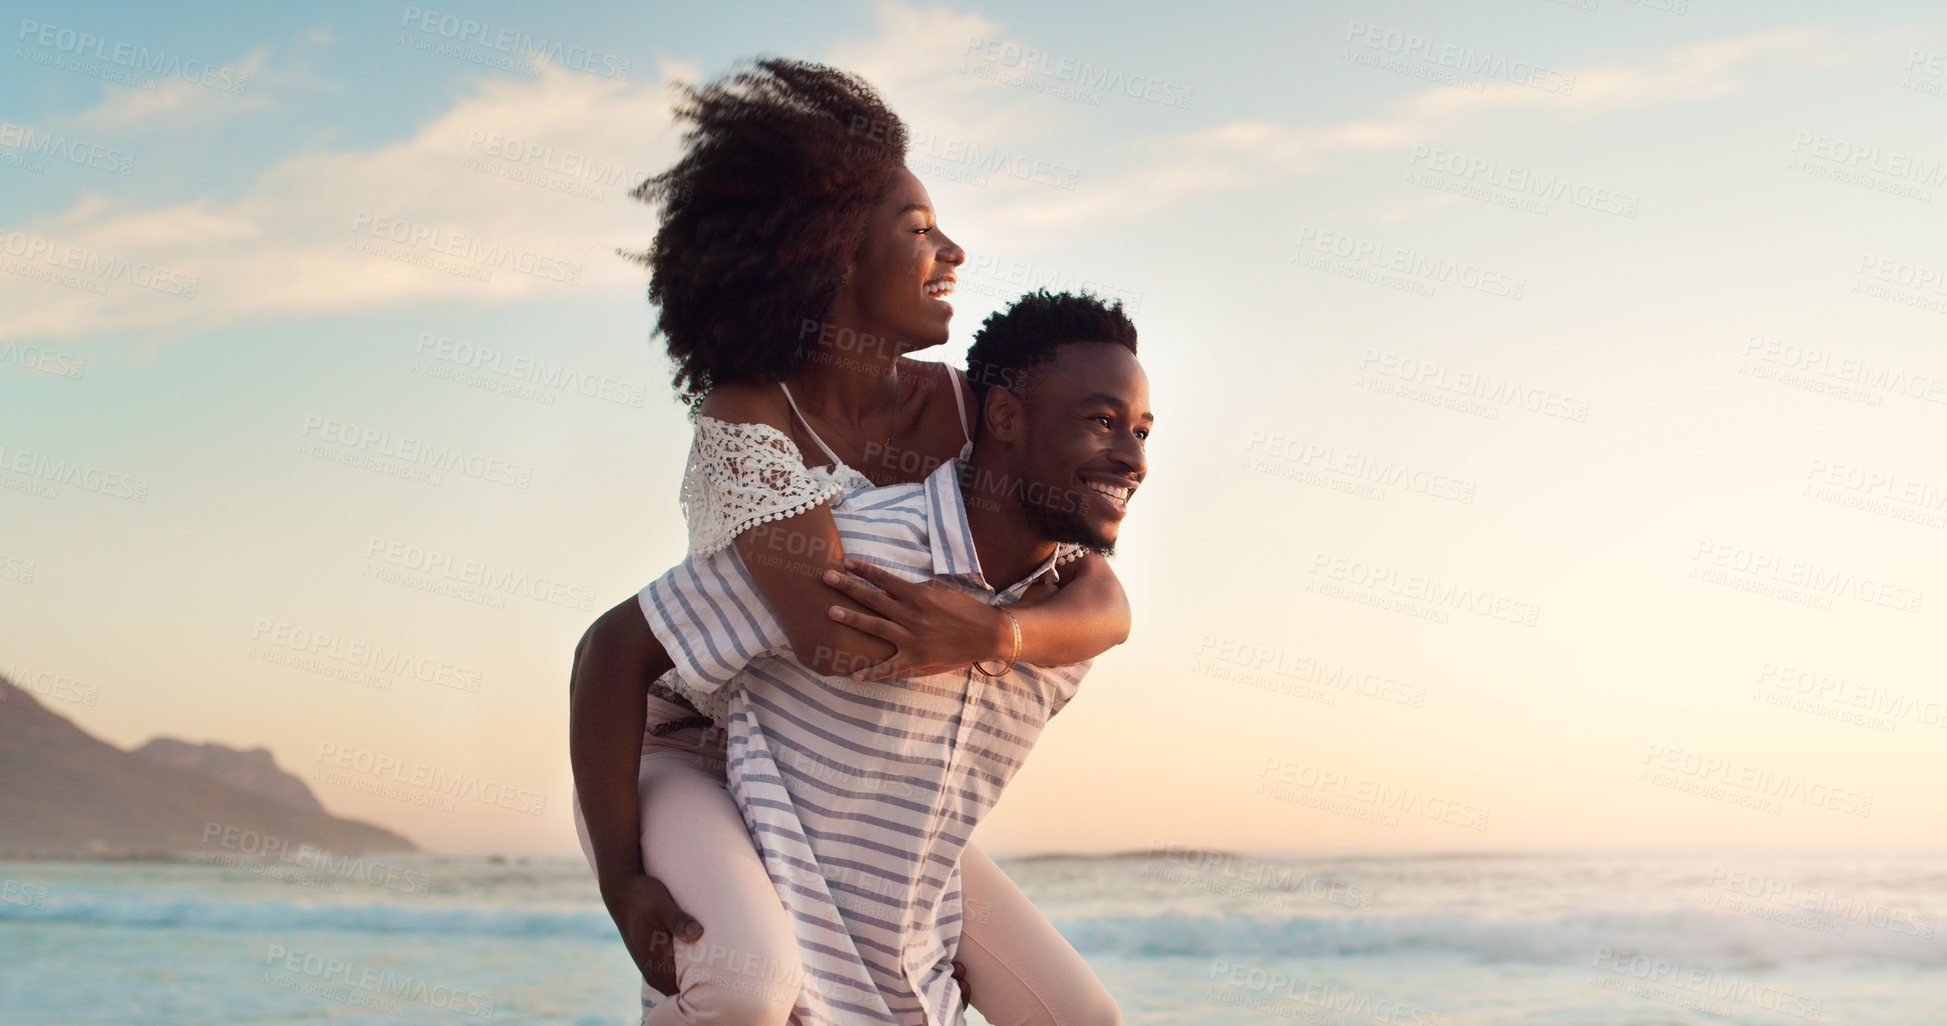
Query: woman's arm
{"type": "Point", "coordinates": [936, 628]}
{"type": "Point", "coordinates": [607, 704]}
{"type": "Point", "coordinates": [1088, 615]}
{"type": "Point", "coordinates": [787, 557]}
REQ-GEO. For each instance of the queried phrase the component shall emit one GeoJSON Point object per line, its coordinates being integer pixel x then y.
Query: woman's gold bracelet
{"type": "Point", "coordinates": [1017, 648]}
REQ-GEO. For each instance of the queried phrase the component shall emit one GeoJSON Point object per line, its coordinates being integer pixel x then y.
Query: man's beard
{"type": "Point", "coordinates": [1065, 525]}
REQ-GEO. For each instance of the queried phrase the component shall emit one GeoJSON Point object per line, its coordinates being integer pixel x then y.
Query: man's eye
{"type": "Point", "coordinates": [924, 230]}
{"type": "Point", "coordinates": [1142, 433]}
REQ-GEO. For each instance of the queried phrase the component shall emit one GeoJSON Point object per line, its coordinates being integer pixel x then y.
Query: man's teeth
{"type": "Point", "coordinates": [1115, 492]}
{"type": "Point", "coordinates": [939, 288]}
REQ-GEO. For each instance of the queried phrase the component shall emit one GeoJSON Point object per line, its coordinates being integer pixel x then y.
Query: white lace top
{"type": "Point", "coordinates": [742, 475]}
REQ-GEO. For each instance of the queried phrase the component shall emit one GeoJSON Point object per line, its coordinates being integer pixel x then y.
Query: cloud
{"type": "Point", "coordinates": [176, 102]}
{"type": "Point", "coordinates": [1243, 154]}
{"type": "Point", "coordinates": [519, 190]}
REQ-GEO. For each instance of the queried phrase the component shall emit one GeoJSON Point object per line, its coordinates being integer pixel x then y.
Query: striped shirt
{"type": "Point", "coordinates": [860, 795]}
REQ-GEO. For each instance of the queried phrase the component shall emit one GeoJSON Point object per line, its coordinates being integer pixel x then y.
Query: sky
{"type": "Point", "coordinates": [1549, 397]}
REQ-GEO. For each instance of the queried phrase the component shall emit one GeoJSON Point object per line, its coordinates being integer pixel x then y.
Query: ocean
{"type": "Point", "coordinates": [1179, 936]}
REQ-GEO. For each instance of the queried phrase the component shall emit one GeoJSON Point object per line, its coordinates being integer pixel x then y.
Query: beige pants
{"type": "Point", "coordinates": [746, 971]}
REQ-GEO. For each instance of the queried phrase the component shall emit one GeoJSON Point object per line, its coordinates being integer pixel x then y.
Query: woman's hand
{"type": "Point", "coordinates": [935, 627]}
{"type": "Point", "coordinates": [648, 917]}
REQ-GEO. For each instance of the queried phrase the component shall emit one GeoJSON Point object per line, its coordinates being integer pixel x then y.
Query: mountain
{"type": "Point", "coordinates": [67, 794]}
{"type": "Point", "coordinates": [254, 771]}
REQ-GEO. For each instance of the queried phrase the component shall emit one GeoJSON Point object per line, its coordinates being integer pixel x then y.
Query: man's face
{"type": "Point", "coordinates": [1087, 419]}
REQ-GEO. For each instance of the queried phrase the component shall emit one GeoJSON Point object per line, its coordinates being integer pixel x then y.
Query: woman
{"type": "Point", "coordinates": [797, 262]}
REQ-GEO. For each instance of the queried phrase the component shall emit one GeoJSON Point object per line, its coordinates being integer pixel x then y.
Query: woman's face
{"type": "Point", "coordinates": [903, 270]}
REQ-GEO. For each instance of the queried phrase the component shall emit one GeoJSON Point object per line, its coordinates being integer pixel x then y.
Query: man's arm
{"type": "Point", "coordinates": [607, 704]}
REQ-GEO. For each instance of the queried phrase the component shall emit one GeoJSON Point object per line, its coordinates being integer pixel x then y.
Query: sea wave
{"type": "Point", "coordinates": [1734, 938]}
{"type": "Point", "coordinates": [189, 910]}
{"type": "Point", "coordinates": [1731, 938]}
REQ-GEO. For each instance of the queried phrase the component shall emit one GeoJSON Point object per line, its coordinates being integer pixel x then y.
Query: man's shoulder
{"type": "Point", "coordinates": [895, 516]}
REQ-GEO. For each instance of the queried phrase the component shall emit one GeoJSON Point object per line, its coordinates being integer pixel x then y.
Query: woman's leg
{"type": "Point", "coordinates": [746, 970]}
{"type": "Point", "coordinates": [1020, 971]}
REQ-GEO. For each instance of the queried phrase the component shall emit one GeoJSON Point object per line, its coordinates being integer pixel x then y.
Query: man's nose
{"type": "Point", "coordinates": [1128, 453]}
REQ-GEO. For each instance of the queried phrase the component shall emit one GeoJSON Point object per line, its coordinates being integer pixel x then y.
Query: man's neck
{"type": "Point", "coordinates": [1008, 544]}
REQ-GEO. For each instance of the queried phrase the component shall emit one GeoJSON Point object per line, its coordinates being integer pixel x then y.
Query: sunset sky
{"type": "Point", "coordinates": [1550, 397]}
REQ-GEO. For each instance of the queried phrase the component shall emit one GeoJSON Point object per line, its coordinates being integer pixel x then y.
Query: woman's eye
{"type": "Point", "coordinates": [924, 230]}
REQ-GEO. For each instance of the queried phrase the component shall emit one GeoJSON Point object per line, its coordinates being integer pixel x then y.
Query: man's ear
{"type": "Point", "coordinates": [1003, 416]}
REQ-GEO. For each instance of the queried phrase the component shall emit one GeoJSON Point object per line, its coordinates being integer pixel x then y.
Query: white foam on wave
{"type": "Point", "coordinates": [159, 909]}
{"type": "Point", "coordinates": [1690, 935]}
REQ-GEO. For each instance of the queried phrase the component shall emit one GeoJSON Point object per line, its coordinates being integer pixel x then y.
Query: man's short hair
{"type": "Point", "coordinates": [1012, 342]}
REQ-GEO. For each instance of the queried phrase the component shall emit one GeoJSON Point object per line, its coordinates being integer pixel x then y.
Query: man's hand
{"type": "Point", "coordinates": [960, 977]}
{"type": "Point", "coordinates": [648, 917]}
{"type": "Point", "coordinates": [935, 627]}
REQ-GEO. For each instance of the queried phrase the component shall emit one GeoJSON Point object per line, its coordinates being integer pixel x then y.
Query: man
{"type": "Point", "coordinates": [861, 794]}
